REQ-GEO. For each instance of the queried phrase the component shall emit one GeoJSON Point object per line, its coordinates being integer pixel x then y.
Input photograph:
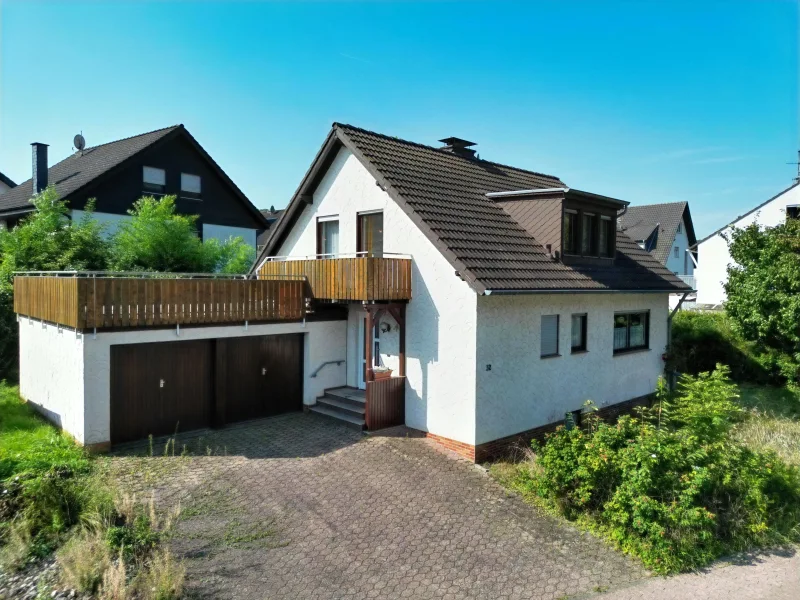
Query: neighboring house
{"type": "Point", "coordinates": [404, 284]}
{"type": "Point", "coordinates": [5, 183]}
{"type": "Point", "coordinates": [271, 215]}
{"type": "Point", "coordinates": [667, 232]}
{"type": "Point", "coordinates": [116, 174]}
{"type": "Point", "coordinates": [711, 273]}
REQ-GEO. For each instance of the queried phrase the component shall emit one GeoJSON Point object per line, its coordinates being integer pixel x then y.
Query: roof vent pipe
{"type": "Point", "coordinates": [39, 168]}
{"type": "Point", "coordinates": [458, 146]}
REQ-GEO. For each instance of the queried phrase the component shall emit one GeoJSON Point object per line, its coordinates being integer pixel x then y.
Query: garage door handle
{"type": "Point", "coordinates": [161, 383]}
{"type": "Point", "coordinates": [263, 370]}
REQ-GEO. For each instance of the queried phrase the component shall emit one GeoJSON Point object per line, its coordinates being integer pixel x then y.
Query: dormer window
{"type": "Point", "coordinates": [570, 244]}
{"type": "Point", "coordinates": [588, 234]}
{"type": "Point", "coordinates": [606, 237]}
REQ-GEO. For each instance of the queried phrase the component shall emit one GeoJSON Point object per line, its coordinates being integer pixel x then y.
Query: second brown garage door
{"type": "Point", "coordinates": [259, 376]}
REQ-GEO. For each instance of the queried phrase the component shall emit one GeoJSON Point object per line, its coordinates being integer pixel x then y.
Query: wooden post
{"type": "Point", "coordinates": [369, 342]}
{"type": "Point", "coordinates": [402, 324]}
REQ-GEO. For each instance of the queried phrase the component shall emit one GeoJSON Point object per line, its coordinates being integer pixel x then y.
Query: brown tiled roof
{"type": "Point", "coordinates": [445, 195]}
{"type": "Point", "coordinates": [639, 222]}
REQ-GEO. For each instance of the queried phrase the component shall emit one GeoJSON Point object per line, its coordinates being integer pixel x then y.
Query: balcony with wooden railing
{"type": "Point", "coordinates": [85, 301]}
{"type": "Point", "coordinates": [356, 278]}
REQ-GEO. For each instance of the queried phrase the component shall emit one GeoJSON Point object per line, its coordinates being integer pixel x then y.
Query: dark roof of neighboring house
{"type": "Point", "coordinates": [639, 223]}
{"type": "Point", "coordinates": [445, 196]}
{"type": "Point", "coordinates": [749, 212]}
{"type": "Point", "coordinates": [271, 215]}
{"type": "Point", "coordinates": [85, 167]}
{"type": "Point", "coordinates": [7, 181]}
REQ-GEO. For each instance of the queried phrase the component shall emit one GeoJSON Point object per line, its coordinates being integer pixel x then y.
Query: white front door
{"type": "Point", "coordinates": [362, 361]}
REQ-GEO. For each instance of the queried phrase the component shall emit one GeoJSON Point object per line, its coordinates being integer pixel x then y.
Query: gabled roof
{"type": "Point", "coordinates": [445, 196]}
{"type": "Point", "coordinates": [639, 223]}
{"type": "Point", "coordinates": [7, 181]}
{"type": "Point", "coordinates": [89, 165]}
{"type": "Point", "coordinates": [749, 212]}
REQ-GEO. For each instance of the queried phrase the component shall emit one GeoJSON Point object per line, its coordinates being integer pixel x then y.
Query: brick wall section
{"type": "Point", "coordinates": [514, 446]}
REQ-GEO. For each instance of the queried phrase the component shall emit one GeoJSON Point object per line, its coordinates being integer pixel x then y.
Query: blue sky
{"type": "Point", "coordinates": [644, 101]}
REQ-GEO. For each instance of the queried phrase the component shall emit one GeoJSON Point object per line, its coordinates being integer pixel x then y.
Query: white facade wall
{"type": "Point", "coordinates": [223, 233]}
{"type": "Point", "coordinates": [523, 391]}
{"type": "Point", "coordinates": [682, 264]}
{"type": "Point", "coordinates": [51, 373]}
{"type": "Point", "coordinates": [69, 374]}
{"type": "Point", "coordinates": [440, 319]}
{"type": "Point", "coordinates": [711, 273]}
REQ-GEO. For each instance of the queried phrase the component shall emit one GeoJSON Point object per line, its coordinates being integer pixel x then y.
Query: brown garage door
{"type": "Point", "coordinates": [160, 388]}
{"type": "Point", "coordinates": [259, 376]}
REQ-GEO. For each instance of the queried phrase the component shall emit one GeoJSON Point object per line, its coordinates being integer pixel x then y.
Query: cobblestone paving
{"type": "Point", "coordinates": [300, 507]}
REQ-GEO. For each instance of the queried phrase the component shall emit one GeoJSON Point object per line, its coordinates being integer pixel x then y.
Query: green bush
{"type": "Point", "coordinates": [671, 485]}
{"type": "Point", "coordinates": [701, 340]}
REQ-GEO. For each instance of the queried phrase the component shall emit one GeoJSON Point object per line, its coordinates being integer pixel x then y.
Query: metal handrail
{"type": "Point", "coordinates": [364, 254]}
{"type": "Point", "coordinates": [153, 275]}
{"type": "Point", "coordinates": [329, 362]}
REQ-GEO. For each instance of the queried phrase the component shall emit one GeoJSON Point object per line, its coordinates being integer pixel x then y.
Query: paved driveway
{"type": "Point", "coordinates": [300, 507]}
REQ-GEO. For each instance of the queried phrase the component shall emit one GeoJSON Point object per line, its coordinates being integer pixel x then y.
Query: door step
{"type": "Point", "coordinates": [346, 405]}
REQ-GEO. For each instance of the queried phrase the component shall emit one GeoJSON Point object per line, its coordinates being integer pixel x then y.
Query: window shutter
{"type": "Point", "coordinates": [549, 335]}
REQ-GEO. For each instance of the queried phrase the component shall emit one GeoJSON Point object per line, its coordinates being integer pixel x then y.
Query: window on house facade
{"type": "Point", "coordinates": [154, 180]}
{"type": "Point", "coordinates": [579, 323]}
{"type": "Point", "coordinates": [792, 212]}
{"type": "Point", "coordinates": [606, 238]}
{"type": "Point", "coordinates": [549, 335]}
{"type": "Point", "coordinates": [370, 234]}
{"type": "Point", "coordinates": [190, 186]}
{"type": "Point", "coordinates": [631, 331]}
{"type": "Point", "coordinates": [677, 252]}
{"type": "Point", "coordinates": [588, 233]}
{"type": "Point", "coordinates": [328, 236]}
{"type": "Point", "coordinates": [680, 227]}
{"type": "Point", "coordinates": [570, 242]}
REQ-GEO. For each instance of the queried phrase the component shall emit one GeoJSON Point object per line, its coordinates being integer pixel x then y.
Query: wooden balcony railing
{"type": "Point", "coordinates": [361, 278]}
{"type": "Point", "coordinates": [87, 301]}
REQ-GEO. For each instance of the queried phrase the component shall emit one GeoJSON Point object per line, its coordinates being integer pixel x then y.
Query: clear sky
{"type": "Point", "coordinates": [642, 100]}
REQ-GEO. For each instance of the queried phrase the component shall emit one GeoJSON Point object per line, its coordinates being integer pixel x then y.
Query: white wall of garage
{"type": "Point", "coordinates": [74, 390]}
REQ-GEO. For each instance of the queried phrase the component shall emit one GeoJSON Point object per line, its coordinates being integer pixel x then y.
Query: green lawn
{"type": "Point", "coordinates": [29, 444]}
{"type": "Point", "coordinates": [774, 421]}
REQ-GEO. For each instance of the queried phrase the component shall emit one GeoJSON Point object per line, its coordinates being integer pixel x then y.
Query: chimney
{"type": "Point", "coordinates": [458, 146]}
{"type": "Point", "coordinates": [39, 177]}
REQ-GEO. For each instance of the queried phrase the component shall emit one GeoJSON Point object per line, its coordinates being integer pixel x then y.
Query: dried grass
{"type": "Point", "coordinates": [84, 560]}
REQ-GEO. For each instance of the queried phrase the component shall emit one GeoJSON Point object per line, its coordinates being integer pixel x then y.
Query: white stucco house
{"type": "Point", "coordinates": [475, 303]}
{"type": "Point", "coordinates": [711, 273]}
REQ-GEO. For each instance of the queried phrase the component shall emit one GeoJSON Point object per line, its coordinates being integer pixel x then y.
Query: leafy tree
{"type": "Point", "coordinates": [45, 241]}
{"type": "Point", "coordinates": [764, 290]}
{"type": "Point", "coordinates": [159, 239]}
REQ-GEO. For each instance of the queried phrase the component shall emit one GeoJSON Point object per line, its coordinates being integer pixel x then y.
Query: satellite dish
{"type": "Point", "coordinates": [79, 142]}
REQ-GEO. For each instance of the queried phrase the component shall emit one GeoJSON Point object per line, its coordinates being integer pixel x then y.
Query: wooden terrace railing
{"type": "Point", "coordinates": [357, 278]}
{"type": "Point", "coordinates": [103, 300]}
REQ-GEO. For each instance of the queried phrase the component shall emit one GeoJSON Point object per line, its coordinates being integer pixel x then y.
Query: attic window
{"type": "Point", "coordinates": [680, 227]}
{"type": "Point", "coordinates": [793, 212]}
{"type": "Point", "coordinates": [154, 180]}
{"type": "Point", "coordinates": [606, 239]}
{"type": "Point", "coordinates": [570, 232]}
{"type": "Point", "coordinates": [190, 186]}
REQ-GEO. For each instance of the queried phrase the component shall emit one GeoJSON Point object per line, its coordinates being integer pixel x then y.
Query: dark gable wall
{"type": "Point", "coordinates": [117, 192]}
